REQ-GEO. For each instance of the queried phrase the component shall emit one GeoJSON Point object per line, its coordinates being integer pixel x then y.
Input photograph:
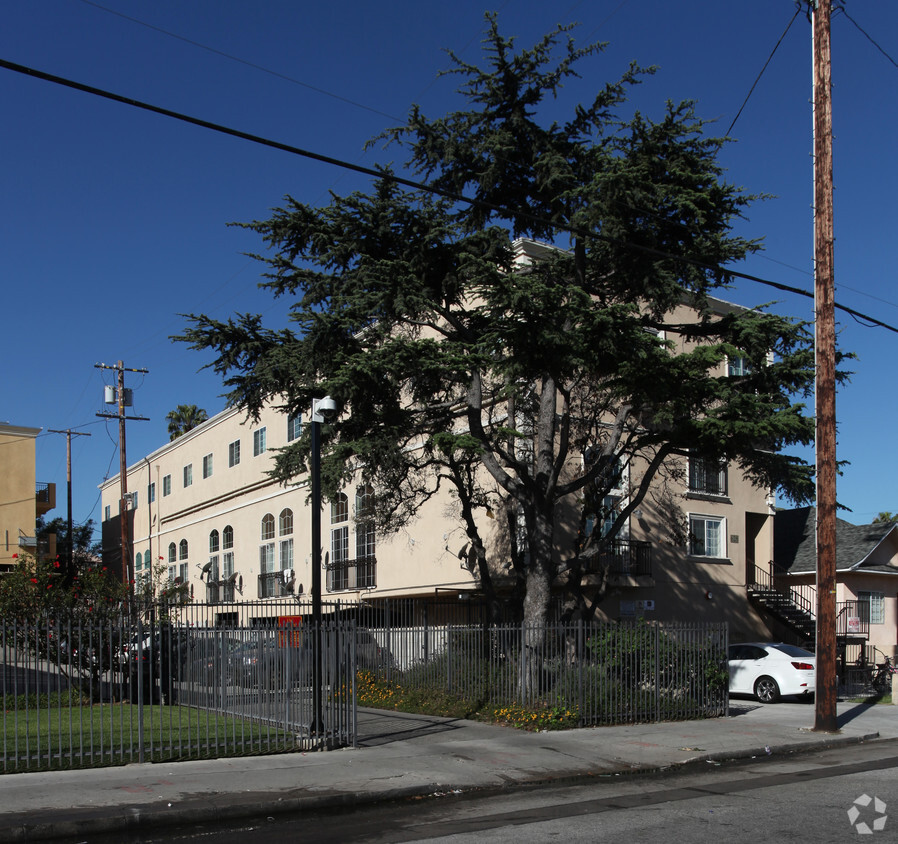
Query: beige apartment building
{"type": "Point", "coordinates": [204, 509]}
{"type": "Point", "coordinates": [22, 499]}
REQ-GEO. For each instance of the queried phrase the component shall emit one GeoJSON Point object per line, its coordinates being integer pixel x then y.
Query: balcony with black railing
{"type": "Point", "coordinates": [360, 573]}
{"type": "Point", "coordinates": [853, 619]}
{"type": "Point", "coordinates": [623, 558]}
{"type": "Point", "coordinates": [44, 497]}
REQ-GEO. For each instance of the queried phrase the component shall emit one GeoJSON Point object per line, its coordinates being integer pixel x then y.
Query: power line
{"type": "Point", "coordinates": [769, 58]}
{"type": "Point", "coordinates": [868, 36]}
{"type": "Point", "coordinates": [383, 174]}
{"type": "Point", "coordinates": [237, 59]}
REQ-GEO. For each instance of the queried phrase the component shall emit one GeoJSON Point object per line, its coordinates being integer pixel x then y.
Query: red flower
{"type": "Point", "coordinates": [56, 564]}
{"type": "Point", "coordinates": [16, 557]}
{"type": "Point", "coordinates": [104, 568]}
{"type": "Point", "coordinates": [34, 580]}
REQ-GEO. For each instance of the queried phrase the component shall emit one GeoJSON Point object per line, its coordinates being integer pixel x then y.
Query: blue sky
{"type": "Point", "coordinates": [115, 220]}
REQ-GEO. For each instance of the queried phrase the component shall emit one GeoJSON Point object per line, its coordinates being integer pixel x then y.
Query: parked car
{"type": "Point", "coordinates": [769, 670]}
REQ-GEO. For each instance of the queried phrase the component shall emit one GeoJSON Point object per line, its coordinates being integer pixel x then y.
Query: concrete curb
{"type": "Point", "coordinates": [222, 806]}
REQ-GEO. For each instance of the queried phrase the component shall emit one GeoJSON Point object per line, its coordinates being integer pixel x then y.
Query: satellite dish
{"type": "Point", "coordinates": [327, 558]}
{"type": "Point", "coordinates": [299, 590]}
{"type": "Point", "coordinates": [204, 570]}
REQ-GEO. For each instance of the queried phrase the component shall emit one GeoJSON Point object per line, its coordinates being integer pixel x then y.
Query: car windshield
{"type": "Point", "coordinates": [792, 650]}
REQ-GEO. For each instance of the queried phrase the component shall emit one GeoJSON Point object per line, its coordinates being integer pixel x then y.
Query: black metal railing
{"type": "Point", "coordinates": [853, 618]}
{"type": "Point", "coordinates": [623, 558]}
{"type": "Point", "coordinates": [271, 585]}
{"type": "Point", "coordinates": [42, 492]}
{"type": "Point", "coordinates": [803, 596]}
{"type": "Point", "coordinates": [360, 573]}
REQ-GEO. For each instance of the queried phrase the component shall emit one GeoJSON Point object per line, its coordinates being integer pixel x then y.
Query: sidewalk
{"type": "Point", "coordinates": [400, 756]}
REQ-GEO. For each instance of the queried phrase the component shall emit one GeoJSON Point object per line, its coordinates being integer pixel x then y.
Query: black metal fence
{"type": "Point", "coordinates": [134, 689]}
{"type": "Point", "coordinates": [596, 674]}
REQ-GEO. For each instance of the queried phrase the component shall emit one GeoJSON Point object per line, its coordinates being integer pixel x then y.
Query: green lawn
{"type": "Point", "coordinates": [109, 734]}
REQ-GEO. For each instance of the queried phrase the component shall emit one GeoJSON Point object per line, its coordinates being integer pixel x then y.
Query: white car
{"type": "Point", "coordinates": [769, 670]}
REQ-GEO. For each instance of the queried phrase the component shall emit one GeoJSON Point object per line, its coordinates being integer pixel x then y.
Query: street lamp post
{"type": "Point", "coordinates": [320, 409]}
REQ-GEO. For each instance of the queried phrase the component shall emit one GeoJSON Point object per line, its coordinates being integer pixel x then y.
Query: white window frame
{"type": "Point", "coordinates": [877, 603]}
{"type": "Point", "coordinates": [707, 519]}
{"type": "Point", "coordinates": [259, 443]}
{"type": "Point", "coordinates": [233, 454]}
{"type": "Point", "coordinates": [151, 492]}
{"type": "Point", "coordinates": [166, 485]}
{"type": "Point", "coordinates": [294, 427]}
{"type": "Point", "coordinates": [188, 475]}
{"type": "Point", "coordinates": [285, 554]}
{"type": "Point", "coordinates": [207, 466]}
{"type": "Point", "coordinates": [737, 367]}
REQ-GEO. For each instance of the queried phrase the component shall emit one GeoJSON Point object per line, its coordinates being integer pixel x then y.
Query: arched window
{"type": "Point", "coordinates": [182, 550]}
{"type": "Point", "coordinates": [227, 537]}
{"type": "Point", "coordinates": [138, 562]}
{"type": "Point", "coordinates": [172, 552]}
{"type": "Point", "coordinates": [213, 542]}
{"type": "Point", "coordinates": [285, 522]}
{"type": "Point", "coordinates": [267, 527]}
{"type": "Point", "coordinates": [340, 509]}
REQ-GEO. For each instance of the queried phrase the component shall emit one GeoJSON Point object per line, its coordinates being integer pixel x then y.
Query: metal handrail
{"type": "Point", "coordinates": [624, 557]}
{"type": "Point", "coordinates": [799, 596]}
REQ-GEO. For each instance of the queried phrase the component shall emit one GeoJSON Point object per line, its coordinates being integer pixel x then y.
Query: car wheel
{"type": "Point", "coordinates": [766, 690]}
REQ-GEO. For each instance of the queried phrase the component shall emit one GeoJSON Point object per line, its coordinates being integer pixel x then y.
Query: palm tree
{"type": "Point", "coordinates": [184, 418]}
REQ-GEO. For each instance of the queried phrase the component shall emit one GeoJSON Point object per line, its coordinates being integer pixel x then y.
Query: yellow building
{"type": "Point", "coordinates": [22, 500]}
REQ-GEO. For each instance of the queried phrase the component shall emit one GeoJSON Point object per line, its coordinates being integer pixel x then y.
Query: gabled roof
{"type": "Point", "coordinates": [795, 547]}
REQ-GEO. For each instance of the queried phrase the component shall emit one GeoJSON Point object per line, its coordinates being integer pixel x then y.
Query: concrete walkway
{"type": "Point", "coordinates": [400, 756]}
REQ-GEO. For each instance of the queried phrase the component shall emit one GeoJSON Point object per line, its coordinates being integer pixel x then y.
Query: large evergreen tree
{"type": "Point", "coordinates": [455, 366]}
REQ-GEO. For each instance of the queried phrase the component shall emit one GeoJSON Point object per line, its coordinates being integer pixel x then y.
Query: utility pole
{"type": "Point", "coordinates": [123, 399]}
{"type": "Point", "coordinates": [69, 572]}
{"type": "Point", "coordinates": [825, 718]}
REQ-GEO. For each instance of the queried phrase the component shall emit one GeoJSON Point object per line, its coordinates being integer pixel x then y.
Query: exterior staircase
{"type": "Point", "coordinates": [796, 608]}
{"type": "Point", "coordinates": [792, 607]}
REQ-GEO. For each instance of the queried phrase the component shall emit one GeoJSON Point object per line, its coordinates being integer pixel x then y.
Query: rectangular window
{"type": "Point", "coordinates": [107, 513]}
{"type": "Point", "coordinates": [258, 442]}
{"type": "Point", "coordinates": [364, 540]}
{"type": "Point", "coordinates": [188, 474]}
{"type": "Point", "coordinates": [166, 486]}
{"type": "Point", "coordinates": [286, 554]}
{"type": "Point", "coordinates": [707, 536]}
{"type": "Point", "coordinates": [876, 603]}
{"type": "Point", "coordinates": [233, 454]}
{"type": "Point", "coordinates": [182, 572]}
{"type": "Point", "coordinates": [266, 558]}
{"type": "Point", "coordinates": [134, 500]}
{"type": "Point", "coordinates": [151, 493]}
{"type": "Point", "coordinates": [340, 545]}
{"type": "Point", "coordinates": [172, 573]}
{"type": "Point", "coordinates": [213, 576]}
{"type": "Point", "coordinates": [738, 366]}
{"type": "Point", "coordinates": [707, 475]}
{"type": "Point", "coordinates": [227, 564]}
{"type": "Point", "coordinates": [207, 466]}
{"type": "Point", "coordinates": [294, 427]}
